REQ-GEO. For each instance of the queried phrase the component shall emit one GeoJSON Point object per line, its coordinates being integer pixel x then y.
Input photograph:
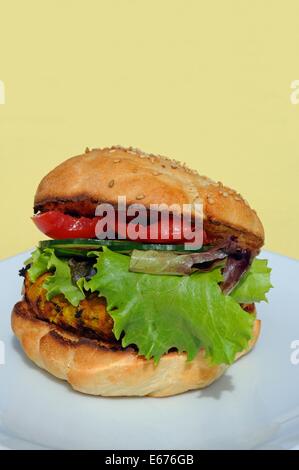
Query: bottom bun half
{"type": "Point", "coordinates": [97, 368]}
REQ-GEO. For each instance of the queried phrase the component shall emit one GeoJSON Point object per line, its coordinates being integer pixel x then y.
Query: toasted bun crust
{"type": "Point", "coordinates": [101, 175]}
{"type": "Point", "coordinates": [92, 367]}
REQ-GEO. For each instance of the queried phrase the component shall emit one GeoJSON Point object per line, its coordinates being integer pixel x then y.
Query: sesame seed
{"type": "Point", "coordinates": [154, 158]}
{"type": "Point", "coordinates": [225, 194]}
{"type": "Point", "coordinates": [140, 196]}
{"type": "Point", "coordinates": [111, 184]}
{"type": "Point", "coordinates": [237, 198]}
{"type": "Point", "coordinates": [210, 200]}
{"type": "Point", "coordinates": [117, 160]}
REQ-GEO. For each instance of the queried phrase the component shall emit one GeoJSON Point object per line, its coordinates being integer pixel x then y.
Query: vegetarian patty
{"type": "Point", "coordinates": [89, 317]}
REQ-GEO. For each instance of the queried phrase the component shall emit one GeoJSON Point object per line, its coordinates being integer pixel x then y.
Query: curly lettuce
{"type": "Point", "coordinates": [189, 313]}
{"type": "Point", "coordinates": [255, 284]}
{"type": "Point", "coordinates": [60, 282]}
{"type": "Point", "coordinates": [160, 312]}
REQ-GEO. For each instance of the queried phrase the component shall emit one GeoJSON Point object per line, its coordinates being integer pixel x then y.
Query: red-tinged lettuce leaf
{"type": "Point", "coordinates": [157, 313]}
{"type": "Point", "coordinates": [169, 263]}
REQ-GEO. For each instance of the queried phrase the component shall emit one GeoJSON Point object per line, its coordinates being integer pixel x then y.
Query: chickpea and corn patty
{"type": "Point", "coordinates": [89, 315]}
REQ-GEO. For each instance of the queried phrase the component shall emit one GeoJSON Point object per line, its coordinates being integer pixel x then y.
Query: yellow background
{"type": "Point", "coordinates": [206, 82]}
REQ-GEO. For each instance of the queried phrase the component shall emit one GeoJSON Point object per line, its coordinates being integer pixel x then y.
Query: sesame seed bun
{"type": "Point", "coordinates": [101, 175]}
{"type": "Point", "coordinates": [95, 368]}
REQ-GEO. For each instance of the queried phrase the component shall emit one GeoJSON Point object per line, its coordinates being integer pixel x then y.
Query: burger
{"type": "Point", "coordinates": [123, 300]}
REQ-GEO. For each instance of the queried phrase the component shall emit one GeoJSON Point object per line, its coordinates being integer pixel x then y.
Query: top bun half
{"type": "Point", "coordinates": [101, 175]}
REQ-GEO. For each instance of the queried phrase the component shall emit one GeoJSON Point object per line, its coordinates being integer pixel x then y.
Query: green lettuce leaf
{"type": "Point", "coordinates": [255, 284]}
{"type": "Point", "coordinates": [60, 282]}
{"type": "Point", "coordinates": [157, 312]}
{"type": "Point", "coordinates": [39, 264]}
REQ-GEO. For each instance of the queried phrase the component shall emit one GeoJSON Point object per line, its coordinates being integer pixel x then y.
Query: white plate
{"type": "Point", "coordinates": [254, 405]}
